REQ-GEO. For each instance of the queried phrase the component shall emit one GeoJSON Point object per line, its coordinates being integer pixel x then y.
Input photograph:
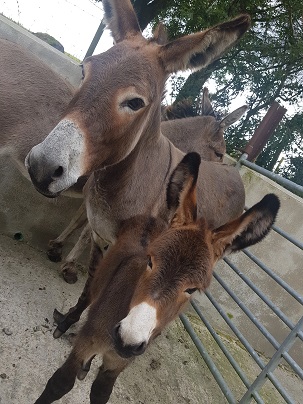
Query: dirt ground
{"type": "Point", "coordinates": [171, 371]}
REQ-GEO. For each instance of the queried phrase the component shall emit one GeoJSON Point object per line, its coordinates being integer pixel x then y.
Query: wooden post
{"type": "Point", "coordinates": [266, 128]}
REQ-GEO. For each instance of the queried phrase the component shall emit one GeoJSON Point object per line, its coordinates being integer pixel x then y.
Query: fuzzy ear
{"type": "Point", "coordinates": [233, 116]}
{"type": "Point", "coordinates": [200, 49]}
{"type": "Point", "coordinates": [121, 19]}
{"type": "Point", "coordinates": [160, 34]}
{"type": "Point", "coordinates": [248, 229]}
{"type": "Point", "coordinates": [181, 190]}
{"type": "Point", "coordinates": [206, 107]}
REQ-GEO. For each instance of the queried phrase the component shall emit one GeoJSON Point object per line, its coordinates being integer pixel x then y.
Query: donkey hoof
{"type": "Point", "coordinates": [69, 273]}
{"type": "Point", "coordinates": [57, 333]}
{"type": "Point", "coordinates": [54, 251]}
{"type": "Point", "coordinates": [58, 317]}
{"type": "Point", "coordinates": [53, 257]}
{"type": "Point", "coordinates": [82, 374]}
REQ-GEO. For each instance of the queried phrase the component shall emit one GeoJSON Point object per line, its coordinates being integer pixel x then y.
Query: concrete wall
{"type": "Point", "coordinates": [25, 211]}
{"type": "Point", "coordinates": [62, 64]}
{"type": "Point", "coordinates": [22, 208]}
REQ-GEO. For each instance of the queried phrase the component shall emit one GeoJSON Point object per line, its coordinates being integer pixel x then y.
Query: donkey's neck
{"type": "Point", "coordinates": [134, 186]}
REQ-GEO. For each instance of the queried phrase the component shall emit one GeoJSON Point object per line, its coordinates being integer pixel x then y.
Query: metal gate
{"type": "Point", "coordinates": [266, 367]}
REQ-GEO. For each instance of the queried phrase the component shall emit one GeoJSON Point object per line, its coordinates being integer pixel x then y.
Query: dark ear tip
{"type": "Point", "coordinates": [272, 202]}
{"type": "Point", "coordinates": [108, 13]}
{"type": "Point", "coordinates": [247, 17]}
{"type": "Point", "coordinates": [242, 21]}
{"type": "Point", "coordinates": [244, 18]}
{"type": "Point", "coordinates": [192, 160]}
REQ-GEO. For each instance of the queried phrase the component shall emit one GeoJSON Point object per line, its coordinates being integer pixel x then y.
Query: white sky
{"type": "Point", "coordinates": [72, 22]}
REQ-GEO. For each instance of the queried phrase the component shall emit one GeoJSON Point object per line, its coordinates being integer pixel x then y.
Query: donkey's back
{"type": "Point", "coordinates": [32, 100]}
{"type": "Point", "coordinates": [221, 193]}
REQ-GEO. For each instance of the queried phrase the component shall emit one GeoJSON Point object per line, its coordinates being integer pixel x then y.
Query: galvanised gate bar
{"type": "Point", "coordinates": [252, 388]}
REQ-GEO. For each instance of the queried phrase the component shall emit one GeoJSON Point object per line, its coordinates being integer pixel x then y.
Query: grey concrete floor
{"type": "Point", "coordinates": [30, 288]}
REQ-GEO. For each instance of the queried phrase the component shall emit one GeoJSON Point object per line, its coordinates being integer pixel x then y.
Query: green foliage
{"type": "Point", "coordinates": [266, 65]}
{"type": "Point", "coordinates": [73, 57]}
{"type": "Point", "coordinates": [50, 40]}
{"type": "Point", "coordinates": [287, 139]}
{"type": "Point", "coordinates": [294, 170]}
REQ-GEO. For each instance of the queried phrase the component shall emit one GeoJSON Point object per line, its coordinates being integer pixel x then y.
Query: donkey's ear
{"type": "Point", "coordinates": [121, 19]}
{"type": "Point", "coordinates": [248, 229]}
{"type": "Point", "coordinates": [233, 116]}
{"type": "Point", "coordinates": [160, 34]}
{"type": "Point", "coordinates": [199, 50]}
{"type": "Point", "coordinates": [206, 107]}
{"type": "Point", "coordinates": [181, 191]}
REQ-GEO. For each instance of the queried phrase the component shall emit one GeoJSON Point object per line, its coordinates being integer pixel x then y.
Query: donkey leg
{"type": "Point", "coordinates": [74, 313]}
{"type": "Point", "coordinates": [54, 251]}
{"type": "Point", "coordinates": [68, 269]}
{"type": "Point", "coordinates": [61, 382]}
{"type": "Point", "coordinates": [103, 385]}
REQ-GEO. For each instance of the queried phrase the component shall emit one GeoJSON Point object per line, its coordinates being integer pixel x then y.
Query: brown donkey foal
{"type": "Point", "coordinates": [146, 278]}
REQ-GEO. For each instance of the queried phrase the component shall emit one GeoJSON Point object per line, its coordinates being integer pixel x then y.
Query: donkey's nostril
{"type": "Point", "coordinates": [116, 330]}
{"type": "Point", "coordinates": [58, 172]}
{"type": "Point", "coordinates": [139, 349]}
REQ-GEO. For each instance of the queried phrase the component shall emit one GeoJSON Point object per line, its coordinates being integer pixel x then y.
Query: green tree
{"type": "Point", "coordinates": [294, 170]}
{"type": "Point", "coordinates": [266, 65]}
{"type": "Point", "coordinates": [287, 140]}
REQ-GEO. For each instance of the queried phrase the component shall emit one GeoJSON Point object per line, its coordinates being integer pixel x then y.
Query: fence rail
{"type": "Point", "coordinates": [287, 184]}
{"type": "Point", "coordinates": [252, 389]}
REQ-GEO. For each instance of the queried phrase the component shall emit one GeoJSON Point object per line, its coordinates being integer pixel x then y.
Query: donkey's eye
{"type": "Point", "coordinates": [219, 155]}
{"type": "Point", "coordinates": [191, 291]}
{"type": "Point", "coordinates": [149, 262]}
{"type": "Point", "coordinates": [135, 104]}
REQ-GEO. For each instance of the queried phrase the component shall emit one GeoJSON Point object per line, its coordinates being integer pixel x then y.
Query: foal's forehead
{"type": "Point", "coordinates": [177, 238]}
{"type": "Point", "coordinates": [181, 260]}
{"type": "Point", "coordinates": [180, 251]}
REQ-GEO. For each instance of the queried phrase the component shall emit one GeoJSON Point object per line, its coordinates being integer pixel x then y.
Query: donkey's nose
{"type": "Point", "coordinates": [43, 172]}
{"type": "Point", "coordinates": [126, 350]}
{"type": "Point", "coordinates": [58, 172]}
{"type": "Point", "coordinates": [40, 168]}
{"type": "Point", "coordinates": [138, 349]}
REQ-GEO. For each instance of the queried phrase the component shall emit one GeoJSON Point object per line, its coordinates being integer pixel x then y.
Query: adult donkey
{"type": "Point", "coordinates": [29, 110]}
{"type": "Point", "coordinates": [203, 132]}
{"type": "Point", "coordinates": [112, 130]}
{"type": "Point", "coordinates": [117, 109]}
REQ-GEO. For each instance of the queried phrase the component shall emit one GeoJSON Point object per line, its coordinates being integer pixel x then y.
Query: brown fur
{"type": "Point", "coordinates": [182, 258]}
{"type": "Point", "coordinates": [122, 147]}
